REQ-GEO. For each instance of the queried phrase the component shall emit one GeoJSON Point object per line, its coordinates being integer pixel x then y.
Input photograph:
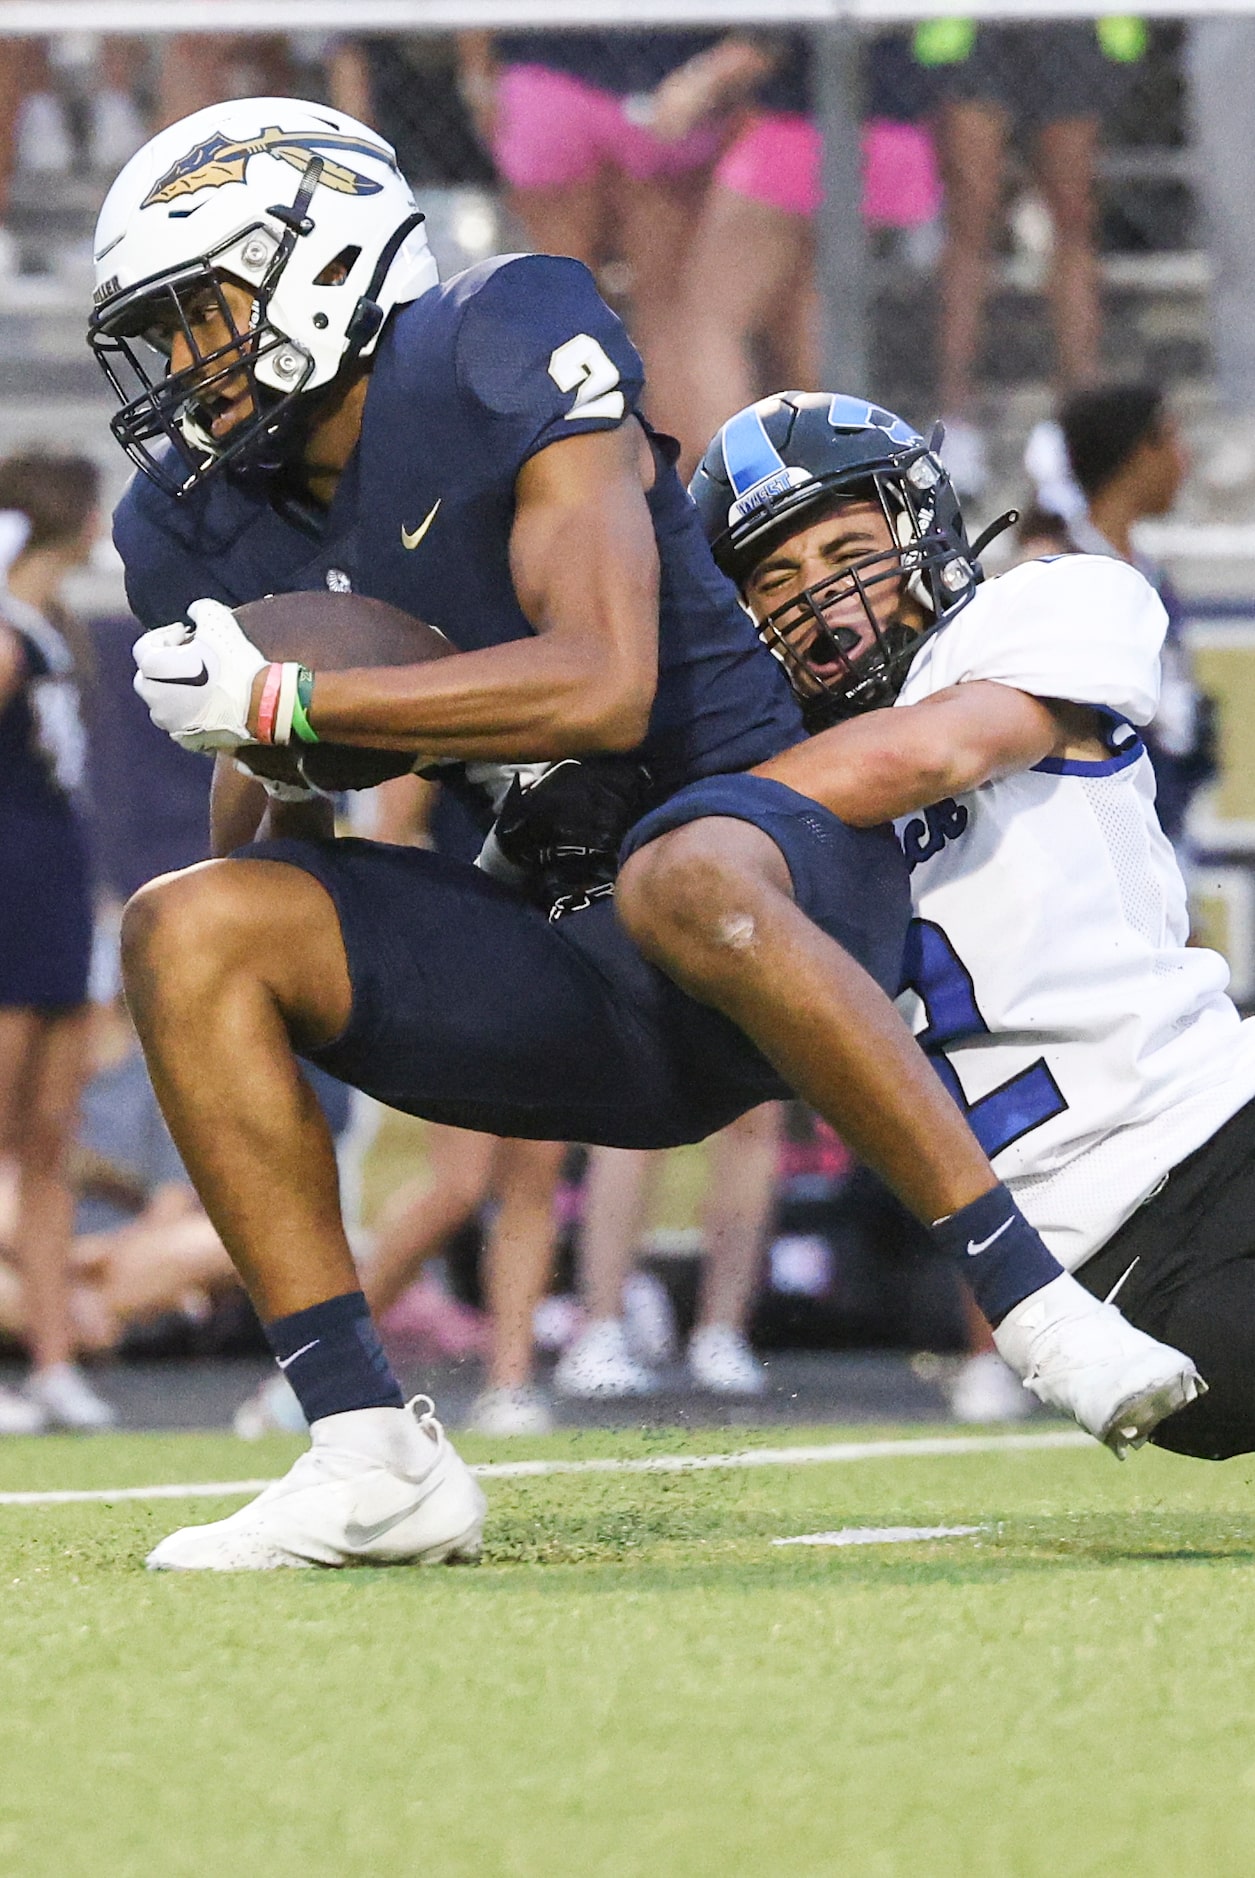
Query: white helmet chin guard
{"type": "Point", "coordinates": [302, 206]}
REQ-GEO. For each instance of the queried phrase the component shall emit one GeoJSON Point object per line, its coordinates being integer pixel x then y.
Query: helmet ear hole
{"type": "Point", "coordinates": [339, 268]}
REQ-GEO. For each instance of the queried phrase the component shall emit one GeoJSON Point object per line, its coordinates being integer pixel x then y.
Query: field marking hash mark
{"type": "Point", "coordinates": [881, 1535]}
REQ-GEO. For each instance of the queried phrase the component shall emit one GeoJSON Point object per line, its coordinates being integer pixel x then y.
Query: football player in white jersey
{"type": "Point", "coordinates": [1096, 1056]}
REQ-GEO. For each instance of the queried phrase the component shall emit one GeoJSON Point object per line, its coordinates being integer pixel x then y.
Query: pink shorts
{"type": "Point", "coordinates": [553, 130]}
{"type": "Point", "coordinates": [778, 160]}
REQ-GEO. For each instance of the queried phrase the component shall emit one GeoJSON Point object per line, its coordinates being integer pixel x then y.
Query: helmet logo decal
{"type": "Point", "coordinates": [857, 414]}
{"type": "Point", "coordinates": [756, 469]}
{"type": "Point", "coordinates": [220, 160]}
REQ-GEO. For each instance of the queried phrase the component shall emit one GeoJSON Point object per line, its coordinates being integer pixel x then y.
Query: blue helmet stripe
{"type": "Point", "coordinates": [749, 455]}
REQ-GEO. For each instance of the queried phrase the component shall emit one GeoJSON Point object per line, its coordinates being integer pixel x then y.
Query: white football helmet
{"type": "Point", "coordinates": [301, 205]}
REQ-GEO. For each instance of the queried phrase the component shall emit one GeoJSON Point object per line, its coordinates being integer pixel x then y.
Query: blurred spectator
{"type": "Point", "coordinates": [44, 101]}
{"type": "Point", "coordinates": [18, 72]}
{"type": "Point", "coordinates": [143, 1247]}
{"type": "Point", "coordinates": [569, 118]}
{"type": "Point", "coordinates": [1129, 459]}
{"type": "Point", "coordinates": [748, 310]}
{"type": "Point", "coordinates": [198, 69]}
{"type": "Point", "coordinates": [1221, 70]}
{"type": "Point", "coordinates": [116, 125]}
{"type": "Point", "coordinates": [48, 524]}
{"type": "Point", "coordinates": [1040, 532]}
{"type": "Point", "coordinates": [739, 1198]}
{"type": "Point", "coordinates": [901, 177]}
{"type": "Point", "coordinates": [518, 1182]}
{"type": "Point", "coordinates": [411, 90]}
{"type": "Point", "coordinates": [1121, 460]}
{"type": "Point", "coordinates": [750, 307]}
{"type": "Point", "coordinates": [1055, 82]}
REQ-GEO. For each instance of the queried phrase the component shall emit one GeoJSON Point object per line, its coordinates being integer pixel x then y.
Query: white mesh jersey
{"type": "Point", "coordinates": [1048, 974]}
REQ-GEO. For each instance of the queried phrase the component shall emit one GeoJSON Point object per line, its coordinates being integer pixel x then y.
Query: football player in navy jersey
{"type": "Point", "coordinates": [311, 409]}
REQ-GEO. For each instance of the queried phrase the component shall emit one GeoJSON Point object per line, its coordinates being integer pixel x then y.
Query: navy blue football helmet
{"type": "Point", "coordinates": [779, 466]}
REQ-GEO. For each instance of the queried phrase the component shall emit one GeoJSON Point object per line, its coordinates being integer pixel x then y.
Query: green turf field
{"type": "Point", "coordinates": [637, 1684]}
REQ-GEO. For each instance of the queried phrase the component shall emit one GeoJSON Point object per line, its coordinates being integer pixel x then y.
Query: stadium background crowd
{"type": "Point", "coordinates": [1029, 193]}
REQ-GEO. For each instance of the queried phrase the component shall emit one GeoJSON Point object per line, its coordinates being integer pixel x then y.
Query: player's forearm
{"type": "Point", "coordinates": [237, 804]}
{"type": "Point", "coordinates": [240, 811]}
{"type": "Point", "coordinates": [892, 763]}
{"type": "Point", "coordinates": [855, 771]}
{"type": "Point", "coordinates": [529, 700]}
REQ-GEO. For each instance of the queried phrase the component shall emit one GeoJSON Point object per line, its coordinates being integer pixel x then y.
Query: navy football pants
{"type": "Point", "coordinates": [470, 1007]}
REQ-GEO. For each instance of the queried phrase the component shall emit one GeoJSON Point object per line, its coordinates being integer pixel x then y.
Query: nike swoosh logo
{"type": "Point", "coordinates": [285, 1362]}
{"type": "Point", "coordinates": [983, 1245]}
{"type": "Point", "coordinates": [359, 1535]}
{"type": "Point", "coordinates": [202, 678]}
{"type": "Point", "coordinates": [410, 539]}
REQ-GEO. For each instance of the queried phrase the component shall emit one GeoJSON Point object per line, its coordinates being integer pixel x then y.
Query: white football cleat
{"type": "Point", "coordinates": [377, 1486]}
{"type": "Point", "coordinates": [599, 1365]}
{"type": "Point", "coordinates": [1088, 1360]}
{"type": "Point", "coordinates": [721, 1361]}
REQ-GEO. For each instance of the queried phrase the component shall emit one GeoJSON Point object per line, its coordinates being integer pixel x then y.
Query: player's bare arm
{"type": "Point", "coordinates": [889, 763]}
{"type": "Point", "coordinates": [585, 570]}
{"type": "Point", "coordinates": [240, 811]}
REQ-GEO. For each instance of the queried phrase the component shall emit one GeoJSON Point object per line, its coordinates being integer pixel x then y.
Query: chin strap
{"type": "Point", "coordinates": [296, 222]}
{"type": "Point", "coordinates": [995, 528]}
{"type": "Point", "coordinates": [368, 315]}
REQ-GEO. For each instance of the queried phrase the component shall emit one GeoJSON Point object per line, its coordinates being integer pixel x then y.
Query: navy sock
{"type": "Point", "coordinates": [332, 1356]}
{"type": "Point", "coordinates": [1001, 1256]}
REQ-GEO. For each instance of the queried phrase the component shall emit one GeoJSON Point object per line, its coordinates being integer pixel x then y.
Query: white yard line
{"type": "Point", "coordinates": [655, 1464]}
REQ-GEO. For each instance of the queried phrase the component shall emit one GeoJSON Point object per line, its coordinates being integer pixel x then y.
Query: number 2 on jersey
{"type": "Point", "coordinates": [936, 973]}
{"type": "Point", "coordinates": [582, 366]}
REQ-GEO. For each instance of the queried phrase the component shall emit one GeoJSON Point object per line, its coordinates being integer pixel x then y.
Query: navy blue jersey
{"type": "Point", "coordinates": [41, 735]}
{"type": "Point", "coordinates": [470, 382]}
{"type": "Point", "coordinates": [45, 889]}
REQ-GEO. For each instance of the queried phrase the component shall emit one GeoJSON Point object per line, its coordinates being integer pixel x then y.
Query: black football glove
{"type": "Point", "coordinates": [562, 833]}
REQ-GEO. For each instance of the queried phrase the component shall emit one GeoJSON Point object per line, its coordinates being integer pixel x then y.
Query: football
{"type": "Point", "coordinates": [333, 632]}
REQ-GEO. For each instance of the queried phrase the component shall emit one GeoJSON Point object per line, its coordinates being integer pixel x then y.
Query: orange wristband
{"type": "Point", "coordinates": [268, 704]}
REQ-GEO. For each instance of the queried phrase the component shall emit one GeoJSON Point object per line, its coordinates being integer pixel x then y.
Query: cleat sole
{"type": "Point", "coordinates": [1137, 1419]}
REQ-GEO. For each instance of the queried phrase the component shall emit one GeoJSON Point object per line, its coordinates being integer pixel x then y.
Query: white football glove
{"type": "Point", "coordinates": [197, 680]}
